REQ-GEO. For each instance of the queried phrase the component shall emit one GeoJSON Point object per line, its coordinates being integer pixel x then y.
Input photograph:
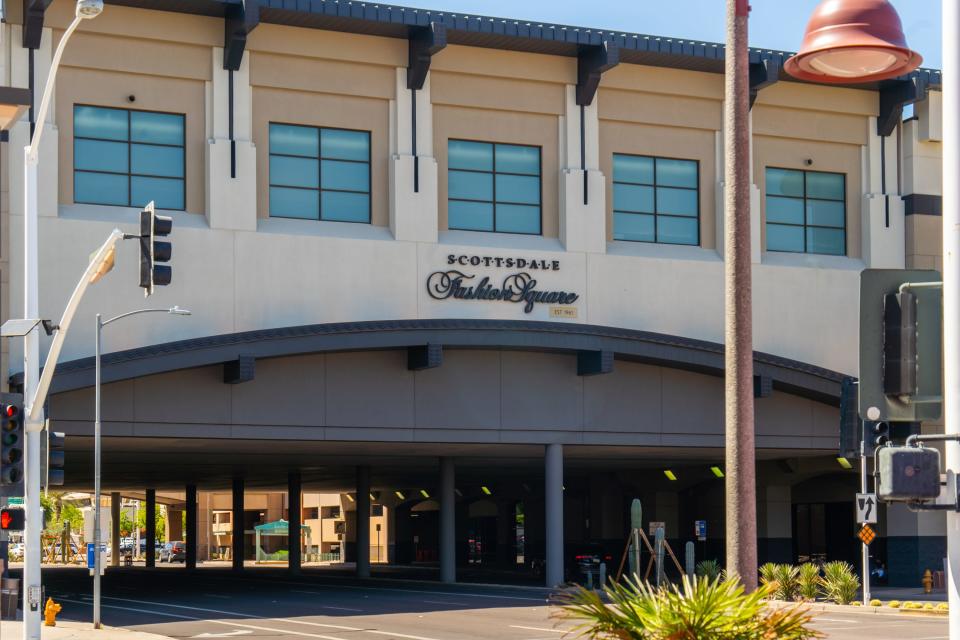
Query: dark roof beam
{"type": "Point", "coordinates": [894, 96]}
{"type": "Point", "coordinates": [33, 12]}
{"type": "Point", "coordinates": [592, 62]}
{"type": "Point", "coordinates": [763, 74]}
{"type": "Point", "coordinates": [593, 363]}
{"type": "Point", "coordinates": [240, 370]}
{"type": "Point", "coordinates": [240, 18]}
{"type": "Point", "coordinates": [423, 43]}
{"type": "Point", "coordinates": [426, 356]}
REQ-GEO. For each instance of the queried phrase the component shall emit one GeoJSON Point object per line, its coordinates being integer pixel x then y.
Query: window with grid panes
{"type": "Point", "coordinates": [127, 158]}
{"type": "Point", "coordinates": [493, 187]}
{"type": "Point", "coordinates": [319, 174]}
{"type": "Point", "coordinates": [806, 211]}
{"type": "Point", "coordinates": [656, 199]}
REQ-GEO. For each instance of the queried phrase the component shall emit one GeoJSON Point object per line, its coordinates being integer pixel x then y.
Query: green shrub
{"type": "Point", "coordinates": [876, 603]}
{"type": "Point", "coordinates": [699, 608]}
{"type": "Point", "coordinates": [943, 606]}
{"type": "Point", "coordinates": [839, 582]}
{"type": "Point", "coordinates": [894, 604]}
{"type": "Point", "coordinates": [928, 607]}
{"type": "Point", "coordinates": [788, 585]}
{"type": "Point", "coordinates": [768, 575]}
{"type": "Point", "coordinates": [808, 581]}
{"type": "Point", "coordinates": [709, 569]}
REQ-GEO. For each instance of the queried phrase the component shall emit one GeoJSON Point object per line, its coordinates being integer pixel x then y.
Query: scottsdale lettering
{"type": "Point", "coordinates": [518, 287]}
{"type": "Point", "coordinates": [498, 261]}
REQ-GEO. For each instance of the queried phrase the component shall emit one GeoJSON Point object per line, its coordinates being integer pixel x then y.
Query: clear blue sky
{"type": "Point", "coordinates": [774, 24]}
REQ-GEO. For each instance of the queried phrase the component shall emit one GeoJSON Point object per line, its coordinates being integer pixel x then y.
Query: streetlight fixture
{"type": "Point", "coordinates": [85, 9]}
{"type": "Point", "coordinates": [97, 558]}
{"type": "Point", "coordinates": [853, 41]}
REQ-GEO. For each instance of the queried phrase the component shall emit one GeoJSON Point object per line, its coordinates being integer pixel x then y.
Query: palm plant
{"type": "Point", "coordinates": [788, 585]}
{"type": "Point", "coordinates": [809, 581]}
{"type": "Point", "coordinates": [709, 569]}
{"type": "Point", "coordinates": [839, 582]}
{"type": "Point", "coordinates": [699, 609]}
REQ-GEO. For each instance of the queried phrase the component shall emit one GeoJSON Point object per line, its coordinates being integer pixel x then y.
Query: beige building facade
{"type": "Point", "coordinates": [411, 236]}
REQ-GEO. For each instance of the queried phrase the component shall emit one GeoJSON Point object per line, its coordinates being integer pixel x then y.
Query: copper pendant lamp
{"type": "Point", "coordinates": [852, 41]}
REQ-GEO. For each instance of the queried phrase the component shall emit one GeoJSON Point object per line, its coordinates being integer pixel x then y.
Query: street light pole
{"type": "Point", "coordinates": [98, 341]}
{"type": "Point", "coordinates": [951, 285]}
{"type": "Point", "coordinates": [31, 342]}
{"type": "Point", "coordinates": [741, 501]}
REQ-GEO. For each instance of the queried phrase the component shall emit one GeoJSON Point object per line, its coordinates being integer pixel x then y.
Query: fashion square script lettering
{"type": "Point", "coordinates": [518, 287]}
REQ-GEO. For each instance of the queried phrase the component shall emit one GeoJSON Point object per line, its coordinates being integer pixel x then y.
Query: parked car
{"type": "Point", "coordinates": [173, 552]}
{"type": "Point", "coordinates": [15, 550]}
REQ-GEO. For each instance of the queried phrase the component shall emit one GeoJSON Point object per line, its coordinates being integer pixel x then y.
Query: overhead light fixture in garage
{"type": "Point", "coordinates": [349, 497]}
{"type": "Point", "coordinates": [400, 495]}
{"type": "Point", "coordinates": [670, 475]}
{"type": "Point", "coordinates": [424, 493]}
{"type": "Point", "coordinates": [845, 463]}
{"type": "Point", "coordinates": [717, 471]}
{"type": "Point", "coordinates": [486, 490]}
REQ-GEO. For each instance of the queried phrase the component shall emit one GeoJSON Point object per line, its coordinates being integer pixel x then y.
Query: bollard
{"type": "Point", "coordinates": [590, 579]}
{"type": "Point", "coordinates": [689, 560]}
{"type": "Point", "coordinates": [603, 574]}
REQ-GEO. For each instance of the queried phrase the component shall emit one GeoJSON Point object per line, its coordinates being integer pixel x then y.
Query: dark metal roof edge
{"type": "Point", "coordinates": [687, 353]}
{"type": "Point", "coordinates": [359, 17]}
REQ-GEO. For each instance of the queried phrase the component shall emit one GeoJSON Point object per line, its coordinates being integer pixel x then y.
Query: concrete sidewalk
{"type": "Point", "coordinates": [68, 630]}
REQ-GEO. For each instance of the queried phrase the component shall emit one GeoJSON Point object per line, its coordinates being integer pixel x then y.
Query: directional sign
{"type": "Point", "coordinates": [867, 508]}
{"type": "Point", "coordinates": [866, 535]}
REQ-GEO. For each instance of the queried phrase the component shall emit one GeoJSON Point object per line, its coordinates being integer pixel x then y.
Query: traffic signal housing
{"type": "Point", "coordinates": [850, 424]}
{"type": "Point", "coordinates": [11, 445]}
{"type": "Point", "coordinates": [12, 519]}
{"type": "Point", "coordinates": [878, 433]}
{"type": "Point", "coordinates": [900, 344]}
{"type": "Point", "coordinates": [153, 252]}
{"type": "Point", "coordinates": [52, 457]}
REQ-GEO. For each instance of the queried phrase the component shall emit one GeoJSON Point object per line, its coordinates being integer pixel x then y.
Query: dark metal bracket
{"type": "Point", "coordinates": [33, 12]}
{"type": "Point", "coordinates": [592, 62]}
{"type": "Point", "coordinates": [592, 363]}
{"type": "Point", "coordinates": [423, 43]}
{"type": "Point", "coordinates": [894, 96]}
{"type": "Point", "coordinates": [240, 18]}
{"type": "Point", "coordinates": [762, 75]}
{"type": "Point", "coordinates": [427, 356]}
{"type": "Point", "coordinates": [240, 370]}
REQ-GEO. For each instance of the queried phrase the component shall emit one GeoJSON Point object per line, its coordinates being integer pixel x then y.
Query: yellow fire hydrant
{"type": "Point", "coordinates": [50, 613]}
{"type": "Point", "coordinates": [927, 581]}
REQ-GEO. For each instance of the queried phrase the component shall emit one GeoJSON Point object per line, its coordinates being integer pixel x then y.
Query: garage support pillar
{"type": "Point", "coordinates": [363, 522]}
{"type": "Point", "coordinates": [448, 520]}
{"type": "Point", "coordinates": [236, 517]}
{"type": "Point", "coordinates": [151, 526]}
{"type": "Point", "coordinates": [294, 520]}
{"type": "Point", "coordinates": [553, 492]}
{"type": "Point", "coordinates": [115, 529]}
{"type": "Point", "coordinates": [191, 533]}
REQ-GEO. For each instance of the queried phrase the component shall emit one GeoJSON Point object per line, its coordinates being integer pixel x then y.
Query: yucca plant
{"type": "Point", "coordinates": [768, 575]}
{"type": "Point", "coordinates": [699, 609]}
{"type": "Point", "coordinates": [788, 585]}
{"type": "Point", "coordinates": [808, 580]}
{"type": "Point", "coordinates": [839, 582]}
{"type": "Point", "coordinates": [709, 569]}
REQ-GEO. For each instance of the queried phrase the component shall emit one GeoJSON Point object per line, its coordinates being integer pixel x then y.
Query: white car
{"type": "Point", "coordinates": [15, 550]}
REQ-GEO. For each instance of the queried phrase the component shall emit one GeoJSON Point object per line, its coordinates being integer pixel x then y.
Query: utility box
{"type": "Point", "coordinates": [908, 474]}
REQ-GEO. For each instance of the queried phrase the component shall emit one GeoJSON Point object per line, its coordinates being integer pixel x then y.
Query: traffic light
{"type": "Point", "coordinates": [908, 474]}
{"type": "Point", "coordinates": [11, 445]}
{"type": "Point", "coordinates": [850, 428]}
{"type": "Point", "coordinates": [153, 251]}
{"type": "Point", "coordinates": [52, 457]}
{"type": "Point", "coordinates": [878, 433]}
{"type": "Point", "coordinates": [900, 344]}
{"type": "Point", "coordinates": [12, 519]}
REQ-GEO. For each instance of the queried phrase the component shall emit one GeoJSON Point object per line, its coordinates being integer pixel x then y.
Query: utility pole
{"type": "Point", "coordinates": [741, 502]}
{"type": "Point", "coordinates": [951, 285]}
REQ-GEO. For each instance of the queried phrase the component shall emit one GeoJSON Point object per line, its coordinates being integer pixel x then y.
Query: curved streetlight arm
{"type": "Point", "coordinates": [46, 377]}
{"type": "Point", "coordinates": [172, 310]}
{"type": "Point", "coordinates": [48, 89]}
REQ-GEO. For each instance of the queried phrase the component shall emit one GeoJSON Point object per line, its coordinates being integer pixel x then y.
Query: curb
{"type": "Point", "coordinates": [824, 607]}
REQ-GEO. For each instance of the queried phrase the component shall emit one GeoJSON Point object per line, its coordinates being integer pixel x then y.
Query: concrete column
{"type": "Point", "coordinates": [774, 524]}
{"type": "Point", "coordinates": [363, 522]}
{"type": "Point", "coordinates": [412, 173]}
{"type": "Point", "coordinates": [237, 519]}
{"type": "Point", "coordinates": [506, 533]}
{"type": "Point", "coordinates": [114, 529]}
{"type": "Point", "coordinates": [583, 189]}
{"type": "Point", "coordinates": [174, 523]}
{"type": "Point", "coordinates": [448, 521]}
{"type": "Point", "coordinates": [294, 520]}
{"type": "Point", "coordinates": [231, 168]}
{"type": "Point", "coordinates": [553, 493]}
{"type": "Point", "coordinates": [191, 532]}
{"type": "Point", "coordinates": [915, 542]}
{"type": "Point", "coordinates": [151, 524]}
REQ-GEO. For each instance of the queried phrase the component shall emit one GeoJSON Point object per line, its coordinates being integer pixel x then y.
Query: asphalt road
{"type": "Point", "coordinates": [218, 605]}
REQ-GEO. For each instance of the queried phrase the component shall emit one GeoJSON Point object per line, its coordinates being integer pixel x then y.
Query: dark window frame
{"type": "Point", "coordinates": [320, 158]}
{"type": "Point", "coordinates": [129, 142]}
{"type": "Point", "coordinates": [494, 173]}
{"type": "Point", "coordinates": [656, 214]}
{"type": "Point", "coordinates": [803, 200]}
